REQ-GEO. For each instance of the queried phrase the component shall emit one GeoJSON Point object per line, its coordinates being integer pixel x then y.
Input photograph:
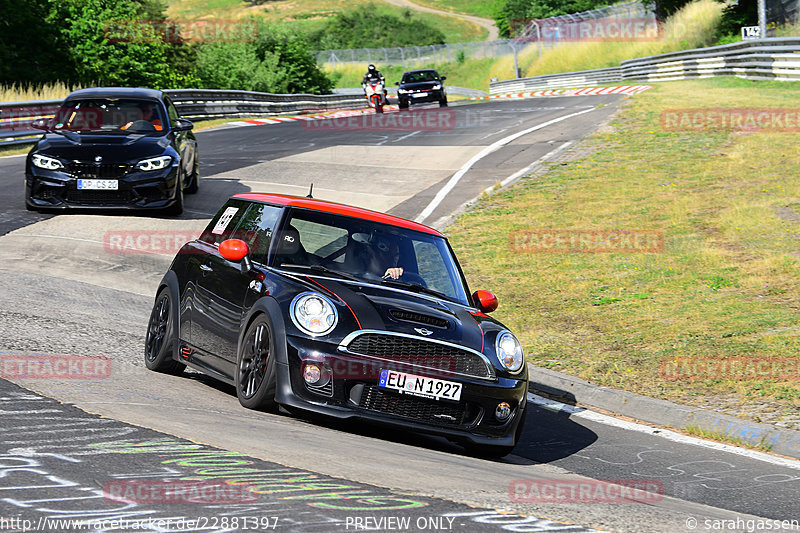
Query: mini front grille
{"type": "Point", "coordinates": [409, 316]}
{"type": "Point", "coordinates": [99, 170]}
{"type": "Point", "coordinates": [420, 352]}
{"type": "Point", "coordinates": [99, 197]}
{"type": "Point", "coordinates": [419, 409]}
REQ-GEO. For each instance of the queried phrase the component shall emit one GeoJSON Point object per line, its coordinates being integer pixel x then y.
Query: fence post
{"type": "Point", "coordinates": [402, 56]}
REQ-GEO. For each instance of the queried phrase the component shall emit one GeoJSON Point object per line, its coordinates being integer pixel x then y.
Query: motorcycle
{"type": "Point", "coordinates": [375, 95]}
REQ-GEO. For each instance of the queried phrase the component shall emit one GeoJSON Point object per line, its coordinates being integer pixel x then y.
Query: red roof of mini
{"type": "Point", "coordinates": [336, 208]}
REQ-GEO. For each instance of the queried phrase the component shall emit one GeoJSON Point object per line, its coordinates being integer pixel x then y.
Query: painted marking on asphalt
{"type": "Point", "coordinates": [15, 155]}
{"type": "Point", "coordinates": [580, 412]}
{"type": "Point", "coordinates": [480, 155]}
{"type": "Point", "coordinates": [527, 170]}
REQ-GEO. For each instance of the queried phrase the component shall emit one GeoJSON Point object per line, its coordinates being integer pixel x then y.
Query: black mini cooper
{"type": "Point", "coordinates": [341, 311]}
{"type": "Point", "coordinates": [113, 148]}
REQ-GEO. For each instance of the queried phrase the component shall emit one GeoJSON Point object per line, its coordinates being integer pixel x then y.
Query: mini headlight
{"type": "Point", "coordinates": [48, 163]}
{"type": "Point", "coordinates": [509, 351]}
{"type": "Point", "coordinates": [313, 313]}
{"type": "Point", "coordinates": [154, 163]}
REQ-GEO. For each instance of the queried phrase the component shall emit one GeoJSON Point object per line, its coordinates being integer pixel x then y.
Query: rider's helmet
{"type": "Point", "coordinates": [371, 69]}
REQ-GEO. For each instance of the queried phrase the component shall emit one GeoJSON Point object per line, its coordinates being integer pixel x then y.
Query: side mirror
{"type": "Point", "coordinates": [485, 301]}
{"type": "Point", "coordinates": [40, 124]}
{"type": "Point", "coordinates": [181, 124]}
{"type": "Point", "coordinates": [397, 83]}
{"type": "Point", "coordinates": [234, 250]}
{"type": "Point", "coordinates": [443, 78]}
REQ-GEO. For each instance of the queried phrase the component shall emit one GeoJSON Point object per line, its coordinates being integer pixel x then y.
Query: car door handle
{"type": "Point", "coordinates": [206, 268]}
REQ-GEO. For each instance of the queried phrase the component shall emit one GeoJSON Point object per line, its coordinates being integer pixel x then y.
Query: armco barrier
{"type": "Point", "coordinates": [764, 59]}
{"type": "Point", "coordinates": [195, 104]}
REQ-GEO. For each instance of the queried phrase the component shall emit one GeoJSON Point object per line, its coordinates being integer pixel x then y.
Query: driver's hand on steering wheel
{"type": "Point", "coordinates": [393, 273]}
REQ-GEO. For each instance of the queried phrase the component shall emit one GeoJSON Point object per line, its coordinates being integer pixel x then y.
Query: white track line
{"type": "Point", "coordinates": [480, 155]}
{"type": "Point", "coordinates": [580, 412]}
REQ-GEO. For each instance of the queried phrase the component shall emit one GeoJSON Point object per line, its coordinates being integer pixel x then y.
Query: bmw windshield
{"type": "Point", "coordinates": [359, 250]}
{"type": "Point", "coordinates": [110, 116]}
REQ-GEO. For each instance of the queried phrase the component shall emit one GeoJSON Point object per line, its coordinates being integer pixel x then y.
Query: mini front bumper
{"type": "Point", "coordinates": [58, 189]}
{"type": "Point", "coordinates": [351, 392]}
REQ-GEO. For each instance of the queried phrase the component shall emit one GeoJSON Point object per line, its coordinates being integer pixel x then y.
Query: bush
{"type": "Point", "coordinates": [369, 26]}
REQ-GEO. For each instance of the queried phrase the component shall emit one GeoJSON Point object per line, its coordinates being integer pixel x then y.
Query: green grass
{"type": "Point", "coordinates": [307, 15]}
{"type": "Point", "coordinates": [478, 8]}
{"type": "Point", "coordinates": [473, 73]}
{"type": "Point", "coordinates": [719, 436]}
{"type": "Point", "coordinates": [726, 284]}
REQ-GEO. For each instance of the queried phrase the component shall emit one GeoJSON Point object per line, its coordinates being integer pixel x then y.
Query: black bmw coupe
{"type": "Point", "coordinates": [341, 311]}
{"type": "Point", "coordinates": [113, 148]}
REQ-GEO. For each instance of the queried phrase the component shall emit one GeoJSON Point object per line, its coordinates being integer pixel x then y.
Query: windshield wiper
{"type": "Point", "coordinates": [64, 133]}
{"type": "Point", "coordinates": [326, 270]}
{"type": "Point", "coordinates": [416, 287]}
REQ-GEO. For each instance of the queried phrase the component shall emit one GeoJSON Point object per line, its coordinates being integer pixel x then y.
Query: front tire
{"type": "Point", "coordinates": [160, 340]}
{"type": "Point", "coordinates": [176, 208]}
{"type": "Point", "coordinates": [443, 102]}
{"type": "Point", "coordinates": [194, 179]}
{"type": "Point", "coordinates": [255, 366]}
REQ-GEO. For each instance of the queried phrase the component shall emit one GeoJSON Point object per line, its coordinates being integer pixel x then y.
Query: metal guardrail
{"type": "Point", "coordinates": [195, 104]}
{"type": "Point", "coordinates": [550, 81]}
{"type": "Point", "coordinates": [776, 58]}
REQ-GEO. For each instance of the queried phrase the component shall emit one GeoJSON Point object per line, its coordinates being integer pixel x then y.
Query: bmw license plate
{"type": "Point", "coordinates": [420, 386]}
{"type": "Point", "coordinates": [98, 185]}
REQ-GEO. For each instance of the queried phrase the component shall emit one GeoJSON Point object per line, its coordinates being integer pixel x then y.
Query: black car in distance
{"type": "Point", "coordinates": [113, 148]}
{"type": "Point", "coordinates": [419, 86]}
{"type": "Point", "coordinates": [341, 311]}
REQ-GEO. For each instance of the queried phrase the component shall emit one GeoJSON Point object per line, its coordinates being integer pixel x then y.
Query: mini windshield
{"type": "Point", "coordinates": [360, 250]}
{"type": "Point", "coordinates": [110, 116]}
{"type": "Point", "coordinates": [416, 77]}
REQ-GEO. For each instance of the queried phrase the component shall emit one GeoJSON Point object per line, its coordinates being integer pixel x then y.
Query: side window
{"type": "Point", "coordinates": [432, 267]}
{"type": "Point", "coordinates": [222, 225]}
{"type": "Point", "coordinates": [321, 239]}
{"type": "Point", "coordinates": [171, 111]}
{"type": "Point", "coordinates": [255, 228]}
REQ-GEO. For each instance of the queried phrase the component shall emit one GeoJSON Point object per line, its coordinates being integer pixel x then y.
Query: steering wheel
{"type": "Point", "coordinates": [141, 125]}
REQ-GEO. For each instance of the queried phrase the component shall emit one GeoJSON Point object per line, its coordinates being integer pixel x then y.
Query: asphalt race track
{"type": "Point", "coordinates": [68, 290]}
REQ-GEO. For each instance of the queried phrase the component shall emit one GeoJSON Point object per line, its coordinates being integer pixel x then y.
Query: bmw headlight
{"type": "Point", "coordinates": [47, 163]}
{"type": "Point", "coordinates": [509, 351]}
{"type": "Point", "coordinates": [313, 313]}
{"type": "Point", "coordinates": [154, 163]}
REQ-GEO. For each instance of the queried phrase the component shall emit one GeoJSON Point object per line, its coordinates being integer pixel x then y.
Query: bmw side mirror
{"type": "Point", "coordinates": [40, 124]}
{"type": "Point", "coordinates": [485, 301]}
{"type": "Point", "coordinates": [236, 251]}
{"type": "Point", "coordinates": [181, 124]}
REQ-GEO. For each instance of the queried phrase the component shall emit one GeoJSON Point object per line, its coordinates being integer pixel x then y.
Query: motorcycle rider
{"type": "Point", "coordinates": [373, 75]}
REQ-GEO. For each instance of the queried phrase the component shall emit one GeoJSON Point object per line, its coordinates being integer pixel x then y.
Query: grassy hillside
{"type": "Point", "coordinates": [724, 286]}
{"type": "Point", "coordinates": [307, 15]}
{"type": "Point", "coordinates": [478, 8]}
{"type": "Point", "coordinates": [689, 28]}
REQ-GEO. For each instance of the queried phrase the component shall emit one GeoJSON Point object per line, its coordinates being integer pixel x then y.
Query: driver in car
{"type": "Point", "coordinates": [386, 251]}
{"type": "Point", "coordinates": [148, 113]}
